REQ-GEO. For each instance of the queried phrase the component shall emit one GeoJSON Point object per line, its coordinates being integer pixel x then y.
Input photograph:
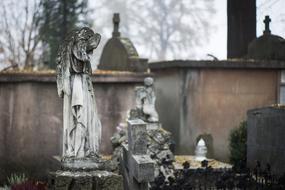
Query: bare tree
{"type": "Point", "coordinates": [19, 37]}
{"type": "Point", "coordinates": [163, 28]}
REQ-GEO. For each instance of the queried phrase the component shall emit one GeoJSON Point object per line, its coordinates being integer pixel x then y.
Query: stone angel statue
{"type": "Point", "coordinates": [81, 124]}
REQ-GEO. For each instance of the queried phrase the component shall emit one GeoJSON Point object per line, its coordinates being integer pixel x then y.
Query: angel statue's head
{"type": "Point", "coordinates": [148, 81]}
{"type": "Point", "coordinates": [92, 39]}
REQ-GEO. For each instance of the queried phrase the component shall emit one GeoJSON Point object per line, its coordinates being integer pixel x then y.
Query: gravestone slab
{"type": "Point", "coordinates": [137, 167]}
{"type": "Point", "coordinates": [137, 137]}
{"type": "Point", "coordinates": [265, 137]}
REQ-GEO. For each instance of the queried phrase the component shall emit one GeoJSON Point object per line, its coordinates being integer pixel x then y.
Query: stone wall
{"type": "Point", "coordinates": [265, 142]}
{"type": "Point", "coordinates": [209, 98]}
{"type": "Point", "coordinates": [31, 117]}
{"type": "Point", "coordinates": [194, 99]}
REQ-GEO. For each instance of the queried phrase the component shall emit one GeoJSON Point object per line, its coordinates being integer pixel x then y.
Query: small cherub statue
{"type": "Point", "coordinates": [145, 100]}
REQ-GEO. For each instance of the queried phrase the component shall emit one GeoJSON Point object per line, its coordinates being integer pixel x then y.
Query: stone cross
{"type": "Point", "coordinates": [116, 21]}
{"type": "Point", "coordinates": [266, 21]}
{"type": "Point", "coordinates": [137, 167]}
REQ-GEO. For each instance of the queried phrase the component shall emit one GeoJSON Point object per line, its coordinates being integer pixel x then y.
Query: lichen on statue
{"type": "Point", "coordinates": [145, 102]}
{"type": "Point", "coordinates": [81, 124]}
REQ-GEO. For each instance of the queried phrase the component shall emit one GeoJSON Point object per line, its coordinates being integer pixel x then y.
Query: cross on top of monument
{"type": "Point", "coordinates": [116, 21]}
{"type": "Point", "coordinates": [266, 21]}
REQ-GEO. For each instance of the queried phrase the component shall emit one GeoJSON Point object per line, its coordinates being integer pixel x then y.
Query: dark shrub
{"type": "Point", "coordinates": [238, 146]}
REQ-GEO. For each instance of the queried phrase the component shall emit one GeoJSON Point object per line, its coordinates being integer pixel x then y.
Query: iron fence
{"type": "Point", "coordinates": [237, 178]}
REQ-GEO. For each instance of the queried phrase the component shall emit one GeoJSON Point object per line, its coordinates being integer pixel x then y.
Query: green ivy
{"type": "Point", "coordinates": [15, 179]}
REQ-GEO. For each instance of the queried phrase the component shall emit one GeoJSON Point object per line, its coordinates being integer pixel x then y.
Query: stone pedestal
{"type": "Point", "coordinates": [136, 166]}
{"type": "Point", "coordinates": [81, 180]}
{"type": "Point", "coordinates": [83, 164]}
{"type": "Point", "coordinates": [84, 174]}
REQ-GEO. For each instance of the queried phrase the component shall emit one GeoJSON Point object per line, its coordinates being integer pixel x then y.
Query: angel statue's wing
{"type": "Point", "coordinates": [63, 67]}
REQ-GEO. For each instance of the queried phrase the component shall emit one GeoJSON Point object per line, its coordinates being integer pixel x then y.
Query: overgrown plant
{"type": "Point", "coordinates": [5, 188]}
{"type": "Point", "coordinates": [22, 182]}
{"type": "Point", "coordinates": [15, 179]}
{"type": "Point", "coordinates": [238, 145]}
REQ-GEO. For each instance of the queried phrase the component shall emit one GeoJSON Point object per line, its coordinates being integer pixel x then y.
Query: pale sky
{"type": "Point", "coordinates": [217, 44]}
{"type": "Point", "coordinates": [276, 10]}
{"type": "Point", "coordinates": [218, 40]}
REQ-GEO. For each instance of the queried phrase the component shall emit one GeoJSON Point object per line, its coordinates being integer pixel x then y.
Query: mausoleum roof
{"type": "Point", "coordinates": [120, 54]}
{"type": "Point", "coordinates": [267, 46]}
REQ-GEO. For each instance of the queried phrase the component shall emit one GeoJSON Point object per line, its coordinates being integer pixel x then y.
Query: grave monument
{"type": "Point", "coordinates": [159, 140]}
{"type": "Point", "coordinates": [82, 166]}
{"type": "Point", "coordinates": [159, 143]}
{"type": "Point", "coordinates": [136, 165]}
{"type": "Point", "coordinates": [268, 46]}
{"type": "Point", "coordinates": [119, 53]}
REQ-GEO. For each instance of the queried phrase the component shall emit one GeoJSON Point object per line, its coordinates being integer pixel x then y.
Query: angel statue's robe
{"type": "Point", "coordinates": [81, 125]}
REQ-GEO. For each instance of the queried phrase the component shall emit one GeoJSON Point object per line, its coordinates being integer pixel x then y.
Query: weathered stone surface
{"type": "Point", "coordinates": [159, 142]}
{"type": "Point", "coordinates": [153, 126]}
{"type": "Point", "coordinates": [85, 164]}
{"type": "Point", "coordinates": [159, 136]}
{"type": "Point", "coordinates": [137, 137]}
{"type": "Point", "coordinates": [165, 154]}
{"type": "Point", "coordinates": [142, 167]}
{"type": "Point", "coordinates": [265, 137]}
{"type": "Point", "coordinates": [118, 138]}
{"type": "Point", "coordinates": [37, 132]}
{"type": "Point", "coordinates": [136, 166]}
{"type": "Point", "coordinates": [146, 135]}
{"type": "Point", "coordinates": [196, 92]}
{"type": "Point", "coordinates": [145, 102]}
{"type": "Point", "coordinates": [205, 64]}
{"type": "Point", "coordinates": [98, 180]}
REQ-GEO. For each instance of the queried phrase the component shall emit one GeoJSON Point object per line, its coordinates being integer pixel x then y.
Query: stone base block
{"type": "Point", "coordinates": [153, 126]}
{"type": "Point", "coordinates": [83, 165]}
{"type": "Point", "coordinates": [142, 168]}
{"type": "Point", "coordinates": [85, 180]}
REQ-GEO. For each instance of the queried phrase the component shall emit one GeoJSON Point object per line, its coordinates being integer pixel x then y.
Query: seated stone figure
{"type": "Point", "coordinates": [145, 102]}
